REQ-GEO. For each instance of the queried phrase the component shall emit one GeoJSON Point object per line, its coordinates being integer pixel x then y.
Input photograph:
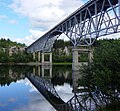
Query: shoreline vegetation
{"type": "Point", "coordinates": [37, 63]}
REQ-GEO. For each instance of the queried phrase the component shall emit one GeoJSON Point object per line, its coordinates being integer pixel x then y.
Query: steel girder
{"type": "Point", "coordinates": [94, 19]}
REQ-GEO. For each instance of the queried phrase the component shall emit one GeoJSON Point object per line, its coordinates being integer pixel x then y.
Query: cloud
{"type": "Point", "coordinates": [34, 35]}
{"type": "Point", "coordinates": [28, 83]}
{"type": "Point", "coordinates": [36, 101]}
{"type": "Point", "coordinates": [3, 17]}
{"type": "Point", "coordinates": [36, 105]}
{"type": "Point", "coordinates": [111, 36]}
{"type": "Point", "coordinates": [65, 92]}
{"type": "Point", "coordinates": [12, 99]}
{"type": "Point", "coordinates": [3, 105]}
{"type": "Point", "coordinates": [12, 21]}
{"type": "Point", "coordinates": [45, 13]}
{"type": "Point", "coordinates": [42, 15]}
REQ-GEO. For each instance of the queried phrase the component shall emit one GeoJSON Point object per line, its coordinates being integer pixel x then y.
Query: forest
{"type": "Point", "coordinates": [19, 56]}
{"type": "Point", "coordinates": [59, 55]}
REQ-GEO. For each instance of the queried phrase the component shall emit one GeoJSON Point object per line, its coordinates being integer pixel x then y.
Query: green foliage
{"type": "Point", "coordinates": [62, 58]}
{"type": "Point", "coordinates": [9, 74]}
{"type": "Point", "coordinates": [61, 44]}
{"type": "Point", "coordinates": [20, 56]}
{"type": "Point", "coordinates": [104, 71]}
{"type": "Point", "coordinates": [107, 64]}
{"type": "Point", "coordinates": [59, 55]}
{"type": "Point", "coordinates": [4, 56]}
{"type": "Point", "coordinates": [8, 43]}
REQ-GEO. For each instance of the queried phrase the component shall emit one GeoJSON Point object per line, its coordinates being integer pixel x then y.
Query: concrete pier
{"type": "Point", "coordinates": [48, 62]}
{"type": "Point", "coordinates": [34, 56]}
{"type": "Point", "coordinates": [44, 68]}
{"type": "Point", "coordinates": [76, 65]}
{"type": "Point", "coordinates": [38, 56]}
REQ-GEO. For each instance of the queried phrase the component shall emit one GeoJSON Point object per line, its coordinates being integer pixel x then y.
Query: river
{"type": "Point", "coordinates": [17, 93]}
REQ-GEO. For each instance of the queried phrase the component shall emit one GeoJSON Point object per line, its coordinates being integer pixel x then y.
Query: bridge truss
{"type": "Point", "coordinates": [94, 19]}
{"type": "Point", "coordinates": [86, 100]}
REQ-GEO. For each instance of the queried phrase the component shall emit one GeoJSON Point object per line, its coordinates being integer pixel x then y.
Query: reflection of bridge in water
{"type": "Point", "coordinates": [84, 99]}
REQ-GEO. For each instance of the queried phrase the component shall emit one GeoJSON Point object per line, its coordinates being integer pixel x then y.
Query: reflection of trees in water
{"type": "Point", "coordinates": [61, 74]}
{"type": "Point", "coordinates": [104, 72]}
{"type": "Point", "coordinates": [108, 89]}
{"type": "Point", "coordinates": [10, 74]}
{"type": "Point", "coordinates": [58, 80]}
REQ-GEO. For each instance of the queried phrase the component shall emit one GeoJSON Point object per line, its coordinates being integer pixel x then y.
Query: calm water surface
{"type": "Point", "coordinates": [18, 94]}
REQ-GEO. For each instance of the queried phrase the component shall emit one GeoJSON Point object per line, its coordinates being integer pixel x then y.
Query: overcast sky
{"type": "Point", "coordinates": [26, 20]}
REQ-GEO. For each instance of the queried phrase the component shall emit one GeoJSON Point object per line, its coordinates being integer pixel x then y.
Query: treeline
{"type": "Point", "coordinates": [9, 74]}
{"type": "Point", "coordinates": [7, 43]}
{"type": "Point", "coordinates": [15, 57]}
{"type": "Point", "coordinates": [62, 51]}
{"type": "Point", "coordinates": [18, 56]}
{"type": "Point", "coordinates": [59, 53]}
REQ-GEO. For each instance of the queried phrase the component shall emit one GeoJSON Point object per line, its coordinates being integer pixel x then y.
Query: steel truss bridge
{"type": "Point", "coordinates": [86, 100]}
{"type": "Point", "coordinates": [94, 19]}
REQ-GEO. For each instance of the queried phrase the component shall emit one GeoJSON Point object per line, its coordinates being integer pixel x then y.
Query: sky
{"type": "Point", "coordinates": [25, 21]}
{"type": "Point", "coordinates": [23, 96]}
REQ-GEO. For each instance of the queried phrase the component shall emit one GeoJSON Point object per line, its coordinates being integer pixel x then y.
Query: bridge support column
{"type": "Point", "coordinates": [50, 58]}
{"type": "Point", "coordinates": [75, 68]}
{"type": "Point", "coordinates": [48, 62]}
{"type": "Point", "coordinates": [33, 56]}
{"type": "Point", "coordinates": [46, 68]}
{"type": "Point", "coordinates": [38, 70]}
{"type": "Point", "coordinates": [90, 55]}
{"type": "Point", "coordinates": [42, 58]}
{"type": "Point", "coordinates": [43, 71]}
{"type": "Point", "coordinates": [76, 52]}
{"type": "Point", "coordinates": [76, 65]}
{"type": "Point", "coordinates": [50, 71]}
{"type": "Point", "coordinates": [38, 56]}
{"type": "Point", "coordinates": [34, 70]}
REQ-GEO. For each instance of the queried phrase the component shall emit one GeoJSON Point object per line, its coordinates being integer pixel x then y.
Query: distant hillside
{"type": "Point", "coordinates": [7, 43]}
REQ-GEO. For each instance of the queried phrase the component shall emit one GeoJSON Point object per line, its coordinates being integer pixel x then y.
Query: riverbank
{"type": "Point", "coordinates": [36, 63]}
